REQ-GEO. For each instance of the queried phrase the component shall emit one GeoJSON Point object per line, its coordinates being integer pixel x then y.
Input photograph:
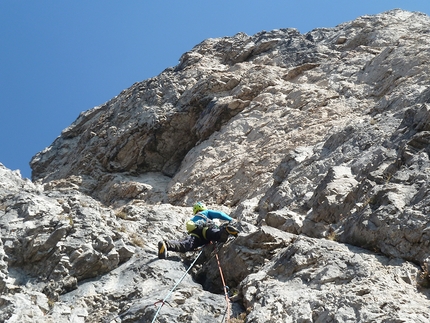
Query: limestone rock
{"type": "Point", "coordinates": [317, 144]}
{"type": "Point", "coordinates": [303, 282]}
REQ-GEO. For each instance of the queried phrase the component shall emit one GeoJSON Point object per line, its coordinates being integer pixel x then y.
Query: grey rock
{"type": "Point", "coordinates": [316, 144]}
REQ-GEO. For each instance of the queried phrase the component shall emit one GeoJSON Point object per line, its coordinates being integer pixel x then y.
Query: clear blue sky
{"type": "Point", "coordinates": [59, 58]}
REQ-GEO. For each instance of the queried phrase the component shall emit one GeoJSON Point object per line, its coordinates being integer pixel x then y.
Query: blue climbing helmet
{"type": "Point", "coordinates": [199, 206]}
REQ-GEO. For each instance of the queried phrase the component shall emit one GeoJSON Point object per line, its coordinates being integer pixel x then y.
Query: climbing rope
{"type": "Point", "coordinates": [225, 287]}
{"type": "Point", "coordinates": [163, 301]}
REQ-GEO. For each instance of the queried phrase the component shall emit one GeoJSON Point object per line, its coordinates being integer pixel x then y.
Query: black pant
{"type": "Point", "coordinates": [195, 239]}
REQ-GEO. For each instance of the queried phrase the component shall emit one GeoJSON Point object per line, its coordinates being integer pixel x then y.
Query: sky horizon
{"type": "Point", "coordinates": [61, 58]}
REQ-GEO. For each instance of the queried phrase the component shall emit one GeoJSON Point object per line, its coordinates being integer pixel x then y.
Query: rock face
{"type": "Point", "coordinates": [317, 144]}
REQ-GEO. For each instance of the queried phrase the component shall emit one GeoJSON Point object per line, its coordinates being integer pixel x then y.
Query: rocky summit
{"type": "Point", "coordinates": [317, 145]}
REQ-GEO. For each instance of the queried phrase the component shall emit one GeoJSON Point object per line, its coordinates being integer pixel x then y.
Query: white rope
{"type": "Point", "coordinates": [174, 287]}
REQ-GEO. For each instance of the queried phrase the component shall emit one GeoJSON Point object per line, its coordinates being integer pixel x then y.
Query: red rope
{"type": "Point", "coordinates": [225, 287]}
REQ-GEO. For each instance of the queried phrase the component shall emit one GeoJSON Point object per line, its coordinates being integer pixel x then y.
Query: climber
{"type": "Point", "coordinates": [201, 230]}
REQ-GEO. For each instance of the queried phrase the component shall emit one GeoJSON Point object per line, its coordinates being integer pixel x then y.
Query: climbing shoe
{"type": "Point", "coordinates": [226, 231]}
{"type": "Point", "coordinates": [162, 250]}
{"type": "Point", "coordinates": [231, 230]}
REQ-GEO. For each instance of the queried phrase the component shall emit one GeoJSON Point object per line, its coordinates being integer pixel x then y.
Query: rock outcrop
{"type": "Point", "coordinates": [317, 144]}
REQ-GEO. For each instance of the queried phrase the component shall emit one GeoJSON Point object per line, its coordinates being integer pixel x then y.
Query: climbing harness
{"type": "Point", "coordinates": [164, 301]}
{"type": "Point", "coordinates": [225, 287]}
